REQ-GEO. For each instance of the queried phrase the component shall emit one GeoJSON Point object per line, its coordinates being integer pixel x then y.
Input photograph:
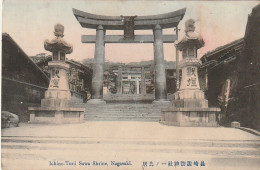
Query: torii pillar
{"type": "Point", "coordinates": [159, 70]}
{"type": "Point", "coordinates": [98, 70]}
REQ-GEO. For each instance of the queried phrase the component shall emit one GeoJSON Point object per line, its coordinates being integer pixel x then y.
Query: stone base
{"type": "Point", "coordinates": [60, 103]}
{"type": "Point", "coordinates": [189, 124]}
{"type": "Point", "coordinates": [96, 101]}
{"type": "Point", "coordinates": [189, 94]}
{"type": "Point", "coordinates": [202, 117]}
{"type": "Point", "coordinates": [56, 115]}
{"type": "Point", "coordinates": [201, 103]}
{"type": "Point", "coordinates": [58, 94]}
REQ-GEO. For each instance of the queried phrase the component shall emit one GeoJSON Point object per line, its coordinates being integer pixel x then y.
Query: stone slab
{"type": "Point", "coordinates": [56, 108]}
{"type": "Point", "coordinates": [128, 97]}
{"type": "Point", "coordinates": [162, 102]}
{"type": "Point", "coordinates": [51, 102]}
{"type": "Point", "coordinates": [96, 101]}
{"type": "Point", "coordinates": [174, 109]}
{"type": "Point", "coordinates": [187, 103]}
{"type": "Point", "coordinates": [235, 124]}
{"type": "Point", "coordinates": [189, 124]}
{"type": "Point", "coordinates": [189, 118]}
{"type": "Point", "coordinates": [56, 117]}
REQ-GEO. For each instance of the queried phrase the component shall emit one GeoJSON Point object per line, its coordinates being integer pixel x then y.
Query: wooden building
{"type": "Point", "coordinates": [23, 82]}
{"type": "Point", "coordinates": [230, 75]}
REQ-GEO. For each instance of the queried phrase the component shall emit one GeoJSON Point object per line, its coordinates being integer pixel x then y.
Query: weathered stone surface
{"type": "Point", "coordinates": [129, 97]}
{"type": "Point", "coordinates": [64, 103]}
{"type": "Point", "coordinates": [57, 117]}
{"type": "Point", "coordinates": [197, 117]}
{"type": "Point", "coordinates": [155, 22]}
{"type": "Point", "coordinates": [167, 20]}
{"type": "Point", "coordinates": [96, 101]}
{"type": "Point", "coordinates": [58, 44]}
{"type": "Point", "coordinates": [55, 107]}
{"type": "Point", "coordinates": [235, 124]}
{"type": "Point", "coordinates": [202, 103]}
{"type": "Point", "coordinates": [160, 79]}
{"type": "Point", "coordinates": [190, 108]}
{"type": "Point", "coordinates": [99, 59]}
{"type": "Point", "coordinates": [121, 39]}
{"type": "Point", "coordinates": [143, 85]}
{"type": "Point", "coordinates": [119, 81]}
{"type": "Point", "coordinates": [189, 94]}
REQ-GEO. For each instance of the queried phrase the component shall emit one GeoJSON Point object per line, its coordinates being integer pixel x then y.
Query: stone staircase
{"type": "Point", "coordinates": [123, 112]}
{"type": "Point", "coordinates": [38, 146]}
{"type": "Point", "coordinates": [37, 152]}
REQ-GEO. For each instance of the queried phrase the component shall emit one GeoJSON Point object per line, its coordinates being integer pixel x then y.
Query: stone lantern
{"type": "Point", "coordinates": [58, 93]}
{"type": "Point", "coordinates": [190, 107]}
{"type": "Point", "coordinates": [189, 91]}
{"type": "Point", "coordinates": [56, 105]}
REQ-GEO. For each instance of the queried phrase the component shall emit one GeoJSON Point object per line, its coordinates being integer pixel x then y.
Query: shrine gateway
{"type": "Point", "coordinates": [129, 24]}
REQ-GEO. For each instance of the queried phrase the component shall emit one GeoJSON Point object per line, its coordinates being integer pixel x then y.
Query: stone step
{"type": "Point", "coordinates": [34, 145]}
{"type": "Point", "coordinates": [122, 112]}
{"type": "Point", "coordinates": [56, 149]}
{"type": "Point", "coordinates": [130, 108]}
{"type": "Point", "coordinates": [141, 108]}
{"type": "Point", "coordinates": [122, 118]}
{"type": "Point", "coordinates": [86, 140]}
{"type": "Point", "coordinates": [37, 153]}
{"type": "Point", "coordinates": [122, 106]}
{"type": "Point", "coordinates": [126, 116]}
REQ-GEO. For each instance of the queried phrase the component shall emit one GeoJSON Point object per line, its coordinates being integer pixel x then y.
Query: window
{"type": "Point", "coordinates": [191, 52]}
{"type": "Point", "coordinates": [55, 55]}
{"type": "Point", "coordinates": [184, 53]}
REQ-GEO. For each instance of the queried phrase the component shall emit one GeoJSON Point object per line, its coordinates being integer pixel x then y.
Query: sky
{"type": "Point", "coordinates": [30, 22]}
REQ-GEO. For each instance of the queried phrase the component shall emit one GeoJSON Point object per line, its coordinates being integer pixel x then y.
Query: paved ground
{"type": "Point", "coordinates": [33, 146]}
{"type": "Point", "coordinates": [129, 129]}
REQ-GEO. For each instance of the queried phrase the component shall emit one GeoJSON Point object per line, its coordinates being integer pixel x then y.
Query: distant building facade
{"type": "Point", "coordinates": [130, 79]}
{"type": "Point", "coordinates": [127, 79]}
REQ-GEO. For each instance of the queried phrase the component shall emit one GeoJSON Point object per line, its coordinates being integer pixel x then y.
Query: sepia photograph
{"type": "Point", "coordinates": [130, 85]}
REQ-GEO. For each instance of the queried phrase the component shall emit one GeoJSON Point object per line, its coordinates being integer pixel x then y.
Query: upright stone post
{"type": "Point", "coordinates": [98, 70]}
{"type": "Point", "coordinates": [177, 64]}
{"type": "Point", "coordinates": [137, 86]}
{"type": "Point", "coordinates": [119, 80]}
{"type": "Point", "coordinates": [143, 86]}
{"type": "Point", "coordinates": [160, 79]}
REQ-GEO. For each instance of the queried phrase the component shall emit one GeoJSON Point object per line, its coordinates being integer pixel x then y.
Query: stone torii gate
{"type": "Point", "coordinates": [129, 24]}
